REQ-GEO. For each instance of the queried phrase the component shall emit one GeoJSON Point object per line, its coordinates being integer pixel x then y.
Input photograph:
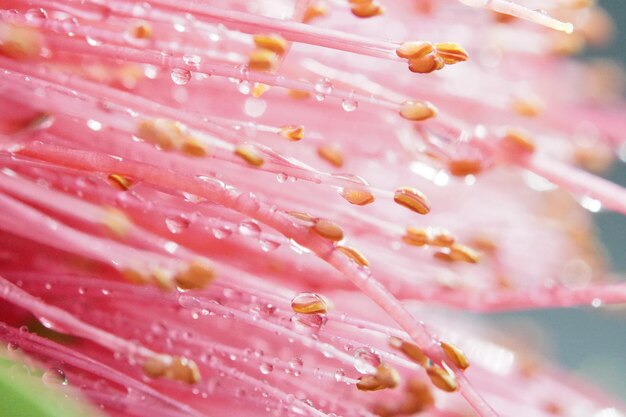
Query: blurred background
{"type": "Point", "coordinates": [590, 341]}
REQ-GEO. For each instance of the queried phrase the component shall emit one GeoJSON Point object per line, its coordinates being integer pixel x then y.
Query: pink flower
{"type": "Point", "coordinates": [231, 211]}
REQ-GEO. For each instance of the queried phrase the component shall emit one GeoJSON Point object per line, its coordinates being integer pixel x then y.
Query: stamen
{"type": "Point", "coordinates": [416, 237]}
{"type": "Point", "coordinates": [464, 254]}
{"type": "Point", "coordinates": [249, 154]}
{"type": "Point", "coordinates": [165, 133]}
{"type": "Point", "coordinates": [331, 154]}
{"type": "Point", "coordinates": [464, 167]}
{"type": "Point", "coordinates": [366, 8]}
{"type": "Point", "coordinates": [196, 276]}
{"type": "Point", "coordinates": [121, 182]}
{"type": "Point", "coordinates": [441, 378]}
{"type": "Point", "coordinates": [328, 229]}
{"type": "Point", "coordinates": [417, 110]}
{"type": "Point", "coordinates": [412, 199]}
{"type": "Point", "coordinates": [354, 254]}
{"type": "Point", "coordinates": [518, 142]}
{"type": "Point", "coordinates": [141, 30]}
{"type": "Point", "coordinates": [262, 60]}
{"type": "Point", "coordinates": [193, 147]}
{"type": "Point", "coordinates": [176, 368]}
{"type": "Point", "coordinates": [385, 377]}
{"type": "Point", "coordinates": [314, 11]}
{"type": "Point", "coordinates": [274, 43]}
{"type": "Point", "coordinates": [451, 53]}
{"type": "Point", "coordinates": [426, 64]}
{"type": "Point", "coordinates": [259, 89]}
{"type": "Point", "coordinates": [410, 50]}
{"type": "Point", "coordinates": [357, 197]}
{"type": "Point", "coordinates": [292, 133]}
{"type": "Point", "coordinates": [411, 350]}
{"type": "Point", "coordinates": [456, 355]}
{"type": "Point", "coordinates": [20, 42]}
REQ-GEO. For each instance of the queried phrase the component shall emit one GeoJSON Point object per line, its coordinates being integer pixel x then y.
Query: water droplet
{"type": "Point", "coordinates": [54, 376]}
{"type": "Point", "coordinates": [268, 243]}
{"type": "Point", "coordinates": [339, 375]}
{"type": "Point", "coordinates": [93, 42]}
{"type": "Point", "coordinates": [323, 87]}
{"type": "Point", "coordinates": [180, 76]}
{"type": "Point", "coordinates": [248, 202]}
{"type": "Point", "coordinates": [306, 323]}
{"type": "Point", "coordinates": [309, 303]}
{"type": "Point", "coordinates": [366, 360]}
{"type": "Point", "coordinates": [192, 60]}
{"type": "Point", "coordinates": [282, 177]}
{"type": "Point", "coordinates": [249, 227]}
{"type": "Point", "coordinates": [34, 14]}
{"type": "Point", "coordinates": [177, 224]}
{"type": "Point", "coordinates": [266, 368]}
{"type": "Point", "coordinates": [94, 125]}
{"type": "Point", "coordinates": [221, 232]}
{"type": "Point", "coordinates": [12, 347]}
{"type": "Point", "coordinates": [192, 198]}
{"type": "Point", "coordinates": [591, 204]}
{"type": "Point", "coordinates": [296, 363]}
{"type": "Point", "coordinates": [349, 105]}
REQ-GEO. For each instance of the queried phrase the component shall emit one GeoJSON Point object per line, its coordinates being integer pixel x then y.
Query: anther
{"type": "Point", "coordinates": [417, 110]}
{"type": "Point", "coordinates": [197, 276]}
{"type": "Point", "coordinates": [262, 60]}
{"type": "Point", "coordinates": [331, 154]}
{"type": "Point", "coordinates": [409, 50]}
{"type": "Point", "coordinates": [309, 303]}
{"type": "Point", "coordinates": [456, 355]}
{"type": "Point", "coordinates": [249, 154]}
{"type": "Point", "coordinates": [385, 377]}
{"type": "Point", "coordinates": [416, 237]}
{"type": "Point", "coordinates": [366, 9]}
{"type": "Point", "coordinates": [120, 182]}
{"type": "Point", "coordinates": [167, 134]}
{"type": "Point", "coordinates": [426, 64]}
{"type": "Point", "coordinates": [193, 147]}
{"type": "Point", "coordinates": [412, 199]}
{"type": "Point", "coordinates": [464, 254]}
{"type": "Point", "coordinates": [141, 30]}
{"type": "Point", "coordinates": [518, 142]}
{"type": "Point", "coordinates": [314, 11]}
{"type": "Point", "coordinates": [357, 197]}
{"type": "Point", "coordinates": [464, 167]}
{"type": "Point", "coordinates": [354, 254]}
{"type": "Point", "coordinates": [411, 350]}
{"type": "Point", "coordinates": [274, 43]}
{"type": "Point", "coordinates": [528, 105]}
{"type": "Point", "coordinates": [292, 133]}
{"type": "Point", "coordinates": [451, 53]}
{"type": "Point", "coordinates": [176, 368]}
{"type": "Point", "coordinates": [20, 42]}
{"type": "Point", "coordinates": [116, 221]}
{"type": "Point", "coordinates": [328, 229]}
{"type": "Point", "coordinates": [259, 89]}
{"type": "Point", "coordinates": [441, 378]}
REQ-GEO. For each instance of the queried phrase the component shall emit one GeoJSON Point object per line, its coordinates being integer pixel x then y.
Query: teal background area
{"type": "Point", "coordinates": [591, 342]}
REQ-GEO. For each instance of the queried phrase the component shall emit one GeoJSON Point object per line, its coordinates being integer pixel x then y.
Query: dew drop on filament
{"type": "Point", "coordinates": [366, 360]}
{"type": "Point", "coordinates": [54, 376]}
{"type": "Point", "coordinates": [177, 224]}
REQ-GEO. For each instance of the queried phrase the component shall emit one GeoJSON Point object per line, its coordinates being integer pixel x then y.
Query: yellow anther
{"type": "Point", "coordinates": [385, 377]}
{"type": "Point", "coordinates": [176, 368]}
{"type": "Point", "coordinates": [197, 276]}
{"type": "Point", "coordinates": [120, 182]}
{"type": "Point", "coordinates": [249, 154]}
{"type": "Point", "coordinates": [357, 196]}
{"type": "Point", "coordinates": [441, 237]}
{"type": "Point", "coordinates": [456, 355]}
{"type": "Point", "coordinates": [417, 110]}
{"type": "Point", "coordinates": [451, 53]}
{"type": "Point", "coordinates": [426, 64]}
{"type": "Point", "coordinates": [354, 254]}
{"type": "Point", "coordinates": [518, 142]}
{"type": "Point", "coordinates": [464, 254]}
{"type": "Point", "coordinates": [141, 30]}
{"type": "Point", "coordinates": [328, 229]}
{"type": "Point", "coordinates": [412, 199]}
{"type": "Point", "coordinates": [20, 42]}
{"type": "Point", "coordinates": [411, 50]}
{"type": "Point", "coordinates": [259, 89]}
{"type": "Point", "coordinates": [314, 11]}
{"type": "Point", "coordinates": [262, 60]}
{"type": "Point", "coordinates": [331, 154]}
{"type": "Point", "coordinates": [134, 277]}
{"type": "Point", "coordinates": [116, 221]}
{"type": "Point", "coordinates": [367, 9]}
{"type": "Point", "coordinates": [299, 94]}
{"type": "Point", "coordinates": [274, 43]}
{"type": "Point", "coordinates": [463, 167]}
{"type": "Point", "coordinates": [411, 350]}
{"type": "Point", "coordinates": [529, 105]}
{"type": "Point", "coordinates": [193, 147]}
{"type": "Point", "coordinates": [167, 134]}
{"type": "Point", "coordinates": [441, 378]}
{"type": "Point", "coordinates": [416, 237]}
{"type": "Point", "coordinates": [292, 133]}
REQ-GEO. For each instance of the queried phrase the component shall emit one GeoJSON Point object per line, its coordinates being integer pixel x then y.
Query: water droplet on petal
{"type": "Point", "coordinates": [180, 76]}
{"type": "Point", "coordinates": [54, 376]}
{"type": "Point", "coordinates": [249, 227]}
{"type": "Point", "coordinates": [366, 360]}
{"type": "Point", "coordinates": [221, 232]}
{"type": "Point", "coordinates": [177, 224]}
{"type": "Point", "coordinates": [266, 368]}
{"type": "Point", "coordinates": [349, 105]}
